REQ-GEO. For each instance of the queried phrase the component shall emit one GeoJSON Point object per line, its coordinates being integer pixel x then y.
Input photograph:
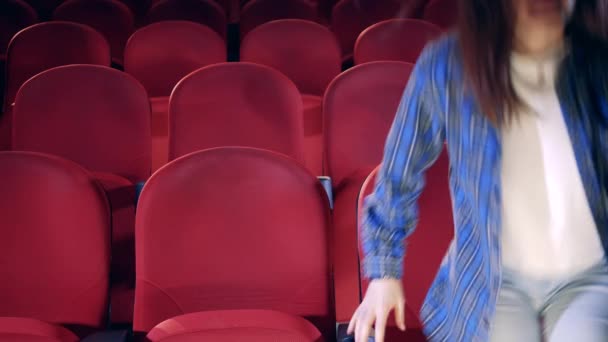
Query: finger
{"type": "Point", "coordinates": [352, 324]}
{"type": "Point", "coordinates": [381, 318]}
{"type": "Point", "coordinates": [364, 326]}
{"type": "Point", "coordinates": [400, 315]}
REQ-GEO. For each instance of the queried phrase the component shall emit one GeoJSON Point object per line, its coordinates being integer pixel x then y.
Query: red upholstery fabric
{"type": "Point", "coordinates": [235, 326]}
{"type": "Point", "coordinates": [345, 257]}
{"type": "Point", "coordinates": [358, 111]}
{"type": "Point", "coordinates": [14, 329]}
{"type": "Point", "coordinates": [236, 104]}
{"type": "Point", "coordinates": [258, 12]}
{"type": "Point", "coordinates": [429, 243]}
{"type": "Point", "coordinates": [232, 228]}
{"type": "Point", "coordinates": [350, 17]}
{"type": "Point", "coordinates": [160, 131]}
{"type": "Point", "coordinates": [443, 13]}
{"type": "Point", "coordinates": [313, 133]}
{"type": "Point", "coordinates": [121, 194]}
{"type": "Point", "coordinates": [111, 18]}
{"type": "Point", "coordinates": [5, 129]}
{"type": "Point", "coordinates": [56, 235]}
{"type": "Point", "coordinates": [96, 116]}
{"type": "Point", "coordinates": [62, 106]}
{"type": "Point", "coordinates": [394, 40]}
{"type": "Point", "coordinates": [47, 45]}
{"type": "Point", "coordinates": [359, 108]}
{"type": "Point", "coordinates": [14, 16]}
{"type": "Point", "coordinates": [286, 45]}
{"type": "Point", "coordinates": [393, 334]}
{"type": "Point", "coordinates": [206, 12]}
{"type": "Point", "coordinates": [161, 54]}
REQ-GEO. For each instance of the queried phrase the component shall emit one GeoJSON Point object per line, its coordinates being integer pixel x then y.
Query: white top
{"type": "Point", "coordinates": [547, 227]}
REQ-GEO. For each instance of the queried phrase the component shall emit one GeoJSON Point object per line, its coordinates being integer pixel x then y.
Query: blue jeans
{"type": "Point", "coordinates": [568, 310]}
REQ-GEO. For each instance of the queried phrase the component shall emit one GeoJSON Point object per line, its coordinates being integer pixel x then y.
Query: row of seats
{"type": "Point", "coordinates": [100, 118]}
{"type": "Point", "coordinates": [116, 22]}
{"type": "Point", "coordinates": [222, 104]}
{"type": "Point", "coordinates": [212, 263]}
{"type": "Point", "coordinates": [161, 54]}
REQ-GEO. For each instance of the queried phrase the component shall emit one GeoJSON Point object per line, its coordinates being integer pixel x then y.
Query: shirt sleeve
{"type": "Point", "coordinates": [413, 144]}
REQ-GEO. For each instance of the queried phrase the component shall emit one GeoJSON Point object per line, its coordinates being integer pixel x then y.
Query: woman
{"type": "Point", "coordinates": [520, 96]}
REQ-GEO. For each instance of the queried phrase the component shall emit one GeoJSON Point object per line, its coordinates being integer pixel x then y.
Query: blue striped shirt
{"type": "Point", "coordinates": [436, 108]}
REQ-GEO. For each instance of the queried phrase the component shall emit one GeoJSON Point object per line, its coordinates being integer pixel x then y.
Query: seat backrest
{"type": "Point", "coordinates": [206, 12]}
{"type": "Point", "coordinates": [394, 40]}
{"type": "Point", "coordinates": [111, 18]}
{"type": "Point", "coordinates": [427, 246]}
{"type": "Point", "coordinates": [55, 242]}
{"type": "Point", "coordinates": [248, 229]}
{"type": "Point", "coordinates": [14, 16]}
{"type": "Point", "coordinates": [306, 52]}
{"type": "Point", "coordinates": [94, 115]}
{"type": "Point", "coordinates": [47, 45]}
{"type": "Point", "coordinates": [161, 54]}
{"type": "Point", "coordinates": [443, 13]}
{"type": "Point", "coordinates": [350, 17]}
{"type": "Point", "coordinates": [258, 12]}
{"type": "Point", "coordinates": [358, 110]}
{"type": "Point", "coordinates": [236, 104]}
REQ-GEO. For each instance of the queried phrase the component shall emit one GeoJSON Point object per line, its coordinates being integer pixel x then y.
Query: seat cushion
{"type": "Point", "coordinates": [32, 330]}
{"type": "Point", "coordinates": [235, 325]}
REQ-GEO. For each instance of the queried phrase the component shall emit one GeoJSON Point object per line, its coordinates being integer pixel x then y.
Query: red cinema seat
{"type": "Point", "coordinates": [15, 15]}
{"type": "Point", "coordinates": [56, 244]}
{"type": "Point", "coordinates": [395, 40]}
{"type": "Point", "coordinates": [258, 12]}
{"type": "Point", "coordinates": [426, 247]}
{"type": "Point", "coordinates": [161, 54]}
{"type": "Point", "coordinates": [443, 13]}
{"type": "Point", "coordinates": [236, 104]}
{"type": "Point", "coordinates": [359, 108]}
{"type": "Point", "coordinates": [93, 115]}
{"type": "Point", "coordinates": [112, 18]}
{"type": "Point", "coordinates": [350, 17]}
{"type": "Point", "coordinates": [285, 45]}
{"type": "Point", "coordinates": [306, 52]}
{"type": "Point", "coordinates": [234, 229]}
{"type": "Point", "coordinates": [206, 12]}
{"type": "Point", "coordinates": [44, 46]}
{"type": "Point", "coordinates": [47, 45]}
{"type": "Point", "coordinates": [100, 118]}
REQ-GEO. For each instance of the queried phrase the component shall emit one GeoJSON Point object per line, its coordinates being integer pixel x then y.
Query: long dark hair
{"type": "Point", "coordinates": [486, 29]}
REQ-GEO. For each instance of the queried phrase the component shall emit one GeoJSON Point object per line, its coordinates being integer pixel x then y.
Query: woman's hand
{"type": "Point", "coordinates": [382, 297]}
